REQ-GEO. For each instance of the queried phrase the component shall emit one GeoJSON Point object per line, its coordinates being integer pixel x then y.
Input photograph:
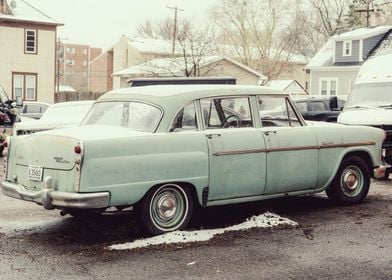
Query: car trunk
{"type": "Point", "coordinates": [35, 158]}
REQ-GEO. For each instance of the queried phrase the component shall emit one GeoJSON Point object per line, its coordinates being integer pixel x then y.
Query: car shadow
{"type": "Point", "coordinates": [105, 229]}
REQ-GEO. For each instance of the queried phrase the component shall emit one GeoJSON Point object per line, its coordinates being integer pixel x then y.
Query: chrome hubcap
{"type": "Point", "coordinates": [167, 206]}
{"type": "Point", "coordinates": [352, 181]}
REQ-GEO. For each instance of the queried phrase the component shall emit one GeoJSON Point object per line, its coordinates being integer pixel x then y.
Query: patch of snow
{"type": "Point", "coordinates": [323, 57]}
{"type": "Point", "coordinates": [266, 220]}
{"type": "Point", "coordinates": [26, 12]}
{"type": "Point", "coordinates": [362, 33]}
{"type": "Point", "coordinates": [384, 48]}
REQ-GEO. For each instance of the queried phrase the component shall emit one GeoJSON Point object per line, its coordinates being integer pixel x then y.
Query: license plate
{"type": "Point", "coordinates": [35, 173]}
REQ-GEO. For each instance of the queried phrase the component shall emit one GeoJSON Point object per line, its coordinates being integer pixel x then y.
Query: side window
{"type": "Point", "coordinates": [276, 111]}
{"type": "Point", "coordinates": [231, 112]}
{"type": "Point", "coordinates": [302, 106]}
{"type": "Point", "coordinates": [317, 106]}
{"type": "Point", "coordinates": [185, 119]}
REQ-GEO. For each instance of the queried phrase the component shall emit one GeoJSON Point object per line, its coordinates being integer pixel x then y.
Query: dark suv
{"type": "Point", "coordinates": [320, 108]}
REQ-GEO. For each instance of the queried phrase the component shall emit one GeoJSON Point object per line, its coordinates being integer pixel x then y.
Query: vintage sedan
{"type": "Point", "coordinates": [166, 149]}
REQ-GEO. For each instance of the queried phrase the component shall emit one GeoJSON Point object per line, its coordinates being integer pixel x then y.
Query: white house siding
{"type": "Point", "coordinates": [13, 59]}
{"type": "Point", "coordinates": [345, 80]}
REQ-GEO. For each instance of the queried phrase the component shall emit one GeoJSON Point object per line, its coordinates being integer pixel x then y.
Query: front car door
{"type": "Point", "coordinates": [236, 149]}
{"type": "Point", "coordinates": [292, 150]}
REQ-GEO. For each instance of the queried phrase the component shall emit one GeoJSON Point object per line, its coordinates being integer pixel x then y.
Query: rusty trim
{"type": "Point", "coordinates": [324, 146]}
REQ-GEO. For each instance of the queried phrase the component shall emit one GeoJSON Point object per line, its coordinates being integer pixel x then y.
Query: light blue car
{"type": "Point", "coordinates": [166, 149]}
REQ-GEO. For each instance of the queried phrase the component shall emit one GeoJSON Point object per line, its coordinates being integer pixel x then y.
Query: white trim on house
{"type": "Point", "coordinates": [347, 46]}
{"type": "Point", "coordinates": [328, 89]}
{"type": "Point", "coordinates": [361, 50]}
{"type": "Point", "coordinates": [336, 68]}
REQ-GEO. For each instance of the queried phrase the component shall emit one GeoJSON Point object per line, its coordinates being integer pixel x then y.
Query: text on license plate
{"type": "Point", "coordinates": [35, 173]}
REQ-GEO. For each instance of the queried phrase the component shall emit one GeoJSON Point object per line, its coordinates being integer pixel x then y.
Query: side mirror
{"type": "Point", "coordinates": [333, 102]}
{"type": "Point", "coordinates": [19, 101]}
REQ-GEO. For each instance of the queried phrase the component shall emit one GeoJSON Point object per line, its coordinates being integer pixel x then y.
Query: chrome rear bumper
{"type": "Point", "coordinates": [50, 199]}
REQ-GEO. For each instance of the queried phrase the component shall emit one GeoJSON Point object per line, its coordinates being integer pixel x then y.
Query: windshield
{"type": "Point", "coordinates": [66, 113]}
{"type": "Point", "coordinates": [370, 95]}
{"type": "Point", "coordinates": [134, 115]}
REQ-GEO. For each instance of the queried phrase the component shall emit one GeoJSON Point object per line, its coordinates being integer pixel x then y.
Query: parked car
{"type": "Point", "coordinates": [33, 109]}
{"type": "Point", "coordinates": [370, 100]}
{"type": "Point", "coordinates": [320, 108]}
{"type": "Point", "coordinates": [63, 114]}
{"type": "Point", "coordinates": [165, 149]}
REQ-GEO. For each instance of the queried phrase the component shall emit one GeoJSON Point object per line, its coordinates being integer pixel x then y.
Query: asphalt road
{"type": "Point", "coordinates": [331, 242]}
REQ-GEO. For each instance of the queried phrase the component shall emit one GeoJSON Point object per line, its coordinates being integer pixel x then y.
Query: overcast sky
{"type": "Point", "coordinates": [100, 23]}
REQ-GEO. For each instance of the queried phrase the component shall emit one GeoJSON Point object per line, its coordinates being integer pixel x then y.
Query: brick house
{"type": "Point", "coordinates": [74, 65]}
{"type": "Point", "coordinates": [28, 51]}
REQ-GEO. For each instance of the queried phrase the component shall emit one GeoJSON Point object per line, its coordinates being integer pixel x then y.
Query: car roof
{"type": "Point", "coordinates": [73, 103]}
{"type": "Point", "coordinates": [183, 94]}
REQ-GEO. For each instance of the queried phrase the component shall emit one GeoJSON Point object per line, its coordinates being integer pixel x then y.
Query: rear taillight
{"type": "Point", "coordinates": [78, 149]}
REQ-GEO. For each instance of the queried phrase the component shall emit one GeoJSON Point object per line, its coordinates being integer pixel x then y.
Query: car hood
{"type": "Point", "coordinates": [94, 132]}
{"type": "Point", "coordinates": [371, 116]}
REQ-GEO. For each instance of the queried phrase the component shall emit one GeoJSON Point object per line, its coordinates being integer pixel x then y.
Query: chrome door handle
{"type": "Point", "coordinates": [269, 132]}
{"type": "Point", "coordinates": [210, 136]}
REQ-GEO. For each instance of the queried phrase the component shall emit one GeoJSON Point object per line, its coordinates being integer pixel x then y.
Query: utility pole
{"type": "Point", "coordinates": [176, 9]}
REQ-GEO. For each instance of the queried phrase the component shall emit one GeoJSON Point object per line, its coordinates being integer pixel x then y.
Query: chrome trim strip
{"type": "Point", "coordinates": [324, 146]}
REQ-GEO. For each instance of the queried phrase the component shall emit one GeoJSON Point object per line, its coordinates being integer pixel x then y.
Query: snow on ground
{"type": "Point", "coordinates": [266, 220]}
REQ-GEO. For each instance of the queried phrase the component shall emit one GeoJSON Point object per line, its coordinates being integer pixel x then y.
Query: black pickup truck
{"type": "Point", "coordinates": [320, 108]}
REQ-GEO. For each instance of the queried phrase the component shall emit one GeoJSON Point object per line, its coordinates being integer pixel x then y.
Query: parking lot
{"type": "Point", "coordinates": [330, 242]}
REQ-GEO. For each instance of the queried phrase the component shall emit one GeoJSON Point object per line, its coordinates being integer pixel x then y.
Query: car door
{"type": "Point", "coordinates": [236, 149]}
{"type": "Point", "coordinates": [292, 151]}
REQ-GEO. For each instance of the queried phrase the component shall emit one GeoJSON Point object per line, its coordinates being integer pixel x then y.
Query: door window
{"type": "Point", "coordinates": [276, 111]}
{"type": "Point", "coordinates": [233, 112]}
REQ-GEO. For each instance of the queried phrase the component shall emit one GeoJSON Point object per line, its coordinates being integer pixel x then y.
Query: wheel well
{"type": "Point", "coordinates": [189, 186]}
{"type": "Point", "coordinates": [365, 156]}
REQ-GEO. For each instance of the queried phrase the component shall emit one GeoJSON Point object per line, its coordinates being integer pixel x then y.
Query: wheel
{"type": "Point", "coordinates": [352, 181]}
{"type": "Point", "coordinates": [166, 208]}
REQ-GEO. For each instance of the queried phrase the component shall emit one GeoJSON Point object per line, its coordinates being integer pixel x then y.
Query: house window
{"type": "Point", "coordinates": [25, 86]}
{"type": "Point", "coordinates": [347, 46]}
{"type": "Point", "coordinates": [84, 62]}
{"type": "Point", "coordinates": [70, 62]}
{"type": "Point", "coordinates": [328, 86]}
{"type": "Point", "coordinates": [84, 51]}
{"type": "Point", "coordinates": [71, 50]}
{"type": "Point", "coordinates": [30, 41]}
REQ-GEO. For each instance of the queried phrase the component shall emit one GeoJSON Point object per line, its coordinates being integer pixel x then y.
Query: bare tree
{"type": "Point", "coordinates": [330, 16]}
{"type": "Point", "coordinates": [263, 34]}
{"type": "Point", "coordinates": [162, 29]}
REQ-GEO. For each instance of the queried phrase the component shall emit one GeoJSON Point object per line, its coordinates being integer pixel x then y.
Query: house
{"type": "Point", "coordinates": [74, 65]}
{"type": "Point", "coordinates": [28, 51]}
{"type": "Point", "coordinates": [207, 66]}
{"type": "Point", "coordinates": [334, 68]}
{"type": "Point", "coordinates": [142, 52]}
{"type": "Point", "coordinates": [289, 86]}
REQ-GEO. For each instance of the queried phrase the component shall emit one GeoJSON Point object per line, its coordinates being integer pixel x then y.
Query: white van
{"type": "Point", "coordinates": [370, 100]}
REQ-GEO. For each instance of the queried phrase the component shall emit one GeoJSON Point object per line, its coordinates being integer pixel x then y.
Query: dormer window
{"type": "Point", "coordinates": [30, 41]}
{"type": "Point", "coordinates": [347, 46]}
